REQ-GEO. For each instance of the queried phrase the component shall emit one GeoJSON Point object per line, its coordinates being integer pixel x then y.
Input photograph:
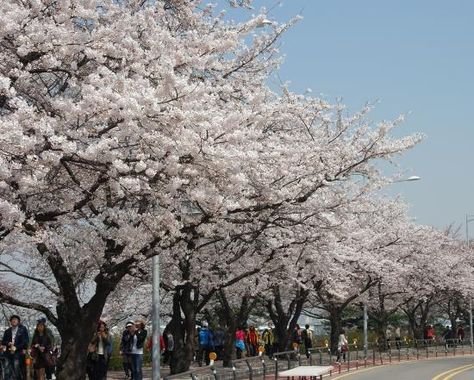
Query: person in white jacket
{"type": "Point", "coordinates": [342, 347]}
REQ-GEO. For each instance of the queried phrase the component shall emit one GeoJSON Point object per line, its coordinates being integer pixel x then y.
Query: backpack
{"type": "Point", "coordinates": [204, 340]}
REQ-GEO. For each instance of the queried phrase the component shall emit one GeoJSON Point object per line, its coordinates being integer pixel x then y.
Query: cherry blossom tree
{"type": "Point", "coordinates": [117, 117]}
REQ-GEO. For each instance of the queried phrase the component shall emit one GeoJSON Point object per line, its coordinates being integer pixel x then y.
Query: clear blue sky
{"type": "Point", "coordinates": [415, 57]}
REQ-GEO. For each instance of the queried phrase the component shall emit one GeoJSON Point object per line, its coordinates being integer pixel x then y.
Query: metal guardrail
{"type": "Point", "coordinates": [261, 367]}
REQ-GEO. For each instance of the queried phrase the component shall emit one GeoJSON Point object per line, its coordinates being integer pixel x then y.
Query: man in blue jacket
{"type": "Point", "coordinates": [14, 345]}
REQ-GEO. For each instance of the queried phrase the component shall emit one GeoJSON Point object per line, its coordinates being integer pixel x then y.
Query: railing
{"type": "Point", "coordinates": [263, 367]}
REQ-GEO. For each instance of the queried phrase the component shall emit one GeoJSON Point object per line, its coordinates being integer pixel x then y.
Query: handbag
{"type": "Point", "coordinates": [92, 352]}
{"type": "Point", "coordinates": [50, 359]}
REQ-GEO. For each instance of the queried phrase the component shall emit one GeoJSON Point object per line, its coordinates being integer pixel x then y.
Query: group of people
{"type": "Point", "coordinates": [16, 346]}
{"type": "Point", "coordinates": [248, 341]}
{"type": "Point", "coordinates": [132, 345]}
{"type": "Point", "coordinates": [452, 336]}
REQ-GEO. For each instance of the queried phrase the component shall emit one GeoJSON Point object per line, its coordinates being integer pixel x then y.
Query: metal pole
{"type": "Point", "coordinates": [470, 299]}
{"type": "Point", "coordinates": [156, 319]}
{"type": "Point", "coordinates": [366, 339]}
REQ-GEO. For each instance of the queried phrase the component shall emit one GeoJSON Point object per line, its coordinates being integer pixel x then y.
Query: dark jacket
{"type": "Point", "coordinates": [45, 341]}
{"type": "Point", "coordinates": [21, 340]}
{"type": "Point", "coordinates": [219, 338]}
{"type": "Point", "coordinates": [141, 337]}
{"type": "Point", "coordinates": [126, 342]}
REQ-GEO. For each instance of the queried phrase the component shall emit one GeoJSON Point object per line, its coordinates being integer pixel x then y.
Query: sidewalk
{"type": "Point", "coordinates": [119, 375]}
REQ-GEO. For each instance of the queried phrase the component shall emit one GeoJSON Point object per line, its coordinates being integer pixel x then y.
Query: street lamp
{"type": "Point", "coordinates": [366, 317]}
{"type": "Point", "coordinates": [155, 354]}
{"type": "Point", "coordinates": [409, 179]}
{"type": "Point", "coordinates": [469, 219]}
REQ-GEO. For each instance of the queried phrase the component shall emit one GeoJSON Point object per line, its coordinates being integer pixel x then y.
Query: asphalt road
{"type": "Point", "coordinates": [457, 368]}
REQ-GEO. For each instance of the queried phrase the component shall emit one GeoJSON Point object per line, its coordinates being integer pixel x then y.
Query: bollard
{"type": "Point", "coordinates": [234, 375]}
{"type": "Point", "coordinates": [214, 373]}
{"type": "Point", "coordinates": [250, 370]}
{"type": "Point", "coordinates": [264, 367]}
{"type": "Point", "coordinates": [276, 367]}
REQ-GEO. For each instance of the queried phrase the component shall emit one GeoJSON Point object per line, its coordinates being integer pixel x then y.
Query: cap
{"type": "Point", "coordinates": [129, 323]}
{"type": "Point", "coordinates": [205, 324]}
{"type": "Point", "coordinates": [41, 320]}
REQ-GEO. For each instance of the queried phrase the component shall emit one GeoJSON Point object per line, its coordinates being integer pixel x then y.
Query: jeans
{"type": "Point", "coordinates": [137, 364]}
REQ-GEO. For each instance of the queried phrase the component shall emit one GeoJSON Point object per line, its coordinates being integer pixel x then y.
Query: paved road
{"type": "Point", "coordinates": [457, 368]}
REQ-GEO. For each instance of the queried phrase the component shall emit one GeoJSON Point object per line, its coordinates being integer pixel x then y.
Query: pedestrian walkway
{"type": "Point", "coordinates": [119, 375]}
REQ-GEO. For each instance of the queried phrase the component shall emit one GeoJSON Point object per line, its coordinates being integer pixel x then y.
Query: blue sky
{"type": "Point", "coordinates": [412, 57]}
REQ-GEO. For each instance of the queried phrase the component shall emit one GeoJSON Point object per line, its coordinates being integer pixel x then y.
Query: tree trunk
{"type": "Point", "coordinates": [188, 307]}
{"type": "Point", "coordinates": [72, 362]}
{"type": "Point", "coordinates": [229, 345]}
{"type": "Point", "coordinates": [76, 327]}
{"type": "Point", "coordinates": [175, 326]}
{"type": "Point", "coordinates": [233, 320]}
{"type": "Point", "coordinates": [281, 334]}
{"type": "Point", "coordinates": [285, 320]}
{"type": "Point", "coordinates": [182, 330]}
{"type": "Point", "coordinates": [335, 319]}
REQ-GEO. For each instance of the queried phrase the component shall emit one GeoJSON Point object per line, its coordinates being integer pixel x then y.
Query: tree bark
{"type": "Point", "coordinates": [335, 320]}
{"type": "Point", "coordinates": [75, 337]}
{"type": "Point", "coordinates": [182, 330]}
{"type": "Point", "coordinates": [285, 320]}
{"type": "Point", "coordinates": [233, 319]}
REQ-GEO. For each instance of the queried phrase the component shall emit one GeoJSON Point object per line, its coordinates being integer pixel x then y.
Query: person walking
{"type": "Point", "coordinates": [448, 336]}
{"type": "Point", "coordinates": [342, 347]}
{"type": "Point", "coordinates": [41, 346]}
{"type": "Point", "coordinates": [398, 338]}
{"type": "Point", "coordinates": [136, 353]}
{"type": "Point", "coordinates": [307, 335]}
{"type": "Point", "coordinates": [240, 342]}
{"type": "Point", "coordinates": [296, 338]}
{"type": "Point", "coordinates": [388, 336]}
{"type": "Point", "coordinates": [252, 339]}
{"type": "Point", "coordinates": [219, 341]}
{"type": "Point", "coordinates": [52, 352]}
{"type": "Point", "coordinates": [100, 345]}
{"type": "Point", "coordinates": [14, 345]}
{"type": "Point", "coordinates": [461, 334]}
{"type": "Point", "coordinates": [269, 341]}
{"type": "Point", "coordinates": [430, 334]}
{"type": "Point", "coordinates": [126, 349]}
{"type": "Point", "coordinates": [206, 344]}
